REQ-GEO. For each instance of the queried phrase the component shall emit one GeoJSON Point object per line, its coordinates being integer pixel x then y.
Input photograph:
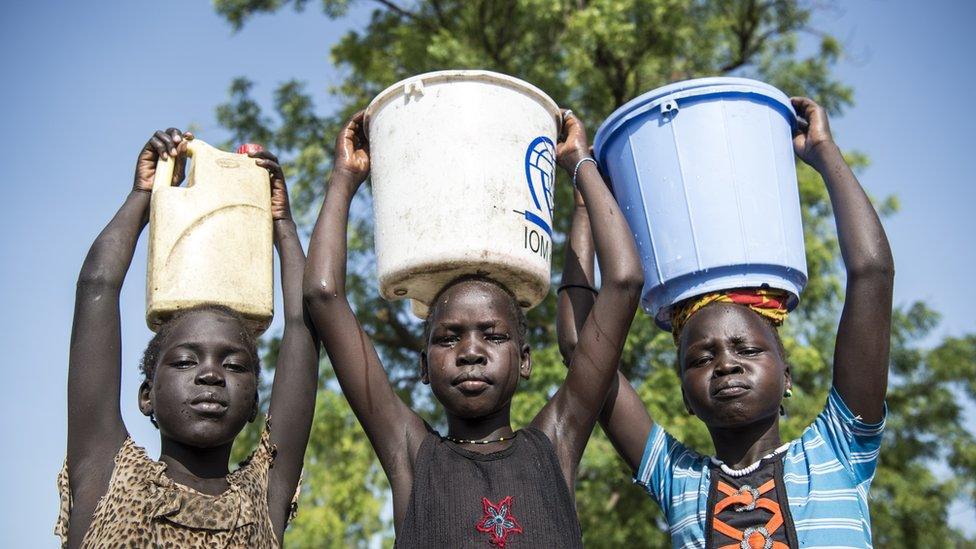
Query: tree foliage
{"type": "Point", "coordinates": [593, 56]}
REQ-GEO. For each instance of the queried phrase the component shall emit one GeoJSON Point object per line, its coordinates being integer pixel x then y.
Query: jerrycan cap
{"type": "Point", "coordinates": [249, 148]}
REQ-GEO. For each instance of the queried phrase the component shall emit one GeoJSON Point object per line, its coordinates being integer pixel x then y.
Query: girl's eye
{"type": "Point", "coordinates": [750, 351]}
{"type": "Point", "coordinates": [184, 363]}
{"type": "Point", "coordinates": [447, 341]}
{"type": "Point", "coordinates": [497, 338]}
{"type": "Point", "coordinates": [234, 367]}
{"type": "Point", "coordinates": [700, 361]}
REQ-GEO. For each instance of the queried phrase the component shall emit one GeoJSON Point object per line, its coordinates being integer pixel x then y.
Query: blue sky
{"type": "Point", "coordinates": [86, 83]}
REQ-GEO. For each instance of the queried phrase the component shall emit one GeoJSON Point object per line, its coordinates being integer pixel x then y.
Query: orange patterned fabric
{"type": "Point", "coordinates": [766, 302]}
{"type": "Point", "coordinates": [746, 498]}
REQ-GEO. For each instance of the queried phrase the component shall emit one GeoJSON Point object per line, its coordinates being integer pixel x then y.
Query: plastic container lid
{"type": "Point", "coordinates": [697, 88]}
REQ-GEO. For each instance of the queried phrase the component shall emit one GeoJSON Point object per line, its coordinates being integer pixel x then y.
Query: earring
{"type": "Point", "coordinates": [152, 419]}
{"type": "Point", "coordinates": [782, 410]}
{"type": "Point", "coordinates": [788, 393]}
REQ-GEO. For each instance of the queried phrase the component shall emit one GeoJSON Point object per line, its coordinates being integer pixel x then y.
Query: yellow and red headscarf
{"type": "Point", "coordinates": [766, 302]}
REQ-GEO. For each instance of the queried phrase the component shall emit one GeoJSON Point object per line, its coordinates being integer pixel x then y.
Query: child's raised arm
{"type": "Point", "coordinates": [296, 372]}
{"type": "Point", "coordinates": [95, 428]}
{"type": "Point", "coordinates": [864, 333]}
{"type": "Point", "coordinates": [624, 416]}
{"type": "Point", "coordinates": [394, 430]}
{"type": "Point", "coordinates": [569, 416]}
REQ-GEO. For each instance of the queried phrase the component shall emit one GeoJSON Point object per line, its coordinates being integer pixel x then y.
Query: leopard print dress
{"type": "Point", "coordinates": [144, 508]}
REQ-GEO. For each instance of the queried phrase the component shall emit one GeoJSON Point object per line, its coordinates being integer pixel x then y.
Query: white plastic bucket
{"type": "Point", "coordinates": [705, 175]}
{"type": "Point", "coordinates": [462, 171]}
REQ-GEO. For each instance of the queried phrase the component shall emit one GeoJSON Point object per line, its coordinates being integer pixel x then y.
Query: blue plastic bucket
{"type": "Point", "coordinates": [704, 173]}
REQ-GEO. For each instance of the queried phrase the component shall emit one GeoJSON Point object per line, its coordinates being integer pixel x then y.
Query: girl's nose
{"type": "Point", "coordinates": [471, 352]}
{"type": "Point", "coordinates": [726, 365]}
{"type": "Point", "coordinates": [210, 374]}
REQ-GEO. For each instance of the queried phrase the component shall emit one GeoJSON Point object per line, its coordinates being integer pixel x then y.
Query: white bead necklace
{"type": "Point", "coordinates": [735, 473]}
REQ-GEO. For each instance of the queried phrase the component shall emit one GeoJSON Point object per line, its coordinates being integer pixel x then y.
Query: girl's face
{"type": "Point", "coordinates": [474, 357]}
{"type": "Point", "coordinates": [732, 372]}
{"type": "Point", "coordinates": [205, 386]}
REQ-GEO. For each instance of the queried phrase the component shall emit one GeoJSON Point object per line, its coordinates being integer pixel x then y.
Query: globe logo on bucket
{"type": "Point", "coordinates": [540, 163]}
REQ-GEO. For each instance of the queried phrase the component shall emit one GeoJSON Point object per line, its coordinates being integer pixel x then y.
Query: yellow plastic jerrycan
{"type": "Point", "coordinates": [210, 241]}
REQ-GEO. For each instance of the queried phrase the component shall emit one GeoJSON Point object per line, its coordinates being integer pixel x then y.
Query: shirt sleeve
{"type": "Point", "coordinates": [663, 457]}
{"type": "Point", "coordinates": [856, 443]}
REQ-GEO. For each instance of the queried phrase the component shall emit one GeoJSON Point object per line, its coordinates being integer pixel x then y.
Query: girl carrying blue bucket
{"type": "Point", "coordinates": [757, 491]}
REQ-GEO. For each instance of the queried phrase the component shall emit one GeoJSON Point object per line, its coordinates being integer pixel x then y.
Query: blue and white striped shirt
{"type": "Point", "coordinates": [827, 473]}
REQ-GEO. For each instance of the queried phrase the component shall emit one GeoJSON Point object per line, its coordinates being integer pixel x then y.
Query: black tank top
{"type": "Point", "coordinates": [516, 497]}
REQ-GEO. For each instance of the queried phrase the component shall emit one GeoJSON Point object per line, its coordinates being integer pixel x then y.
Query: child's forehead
{"type": "Point", "coordinates": [724, 320]}
{"type": "Point", "coordinates": [204, 326]}
{"type": "Point", "coordinates": [473, 298]}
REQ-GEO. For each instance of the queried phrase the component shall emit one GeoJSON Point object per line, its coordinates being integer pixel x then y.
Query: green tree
{"type": "Point", "coordinates": [594, 55]}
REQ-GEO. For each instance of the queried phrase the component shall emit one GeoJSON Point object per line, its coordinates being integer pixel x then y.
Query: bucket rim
{"type": "Point", "coordinates": [695, 87]}
{"type": "Point", "coordinates": [473, 75]}
{"type": "Point", "coordinates": [662, 318]}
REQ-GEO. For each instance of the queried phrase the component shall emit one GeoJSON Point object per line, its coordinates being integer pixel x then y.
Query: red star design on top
{"type": "Point", "coordinates": [498, 521]}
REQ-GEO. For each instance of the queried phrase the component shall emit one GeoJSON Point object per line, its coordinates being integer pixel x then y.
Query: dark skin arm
{"type": "Point", "coordinates": [394, 430]}
{"type": "Point", "coordinates": [864, 333]}
{"type": "Point", "coordinates": [296, 373]}
{"type": "Point", "coordinates": [624, 417]}
{"type": "Point", "coordinates": [568, 417]}
{"type": "Point", "coordinates": [95, 428]}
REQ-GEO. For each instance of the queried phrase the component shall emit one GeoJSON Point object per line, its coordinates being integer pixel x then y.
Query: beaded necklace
{"type": "Point", "coordinates": [465, 441]}
{"type": "Point", "coordinates": [749, 469]}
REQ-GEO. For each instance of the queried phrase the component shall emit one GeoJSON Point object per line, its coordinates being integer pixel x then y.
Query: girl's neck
{"type": "Point", "coordinates": [493, 426]}
{"type": "Point", "coordinates": [203, 469]}
{"type": "Point", "coordinates": [743, 445]}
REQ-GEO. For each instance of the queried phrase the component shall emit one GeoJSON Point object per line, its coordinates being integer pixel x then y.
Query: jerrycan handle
{"type": "Point", "coordinates": [165, 168]}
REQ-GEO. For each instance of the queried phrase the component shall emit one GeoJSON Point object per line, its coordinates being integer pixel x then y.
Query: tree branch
{"type": "Point", "coordinates": [400, 336]}
{"type": "Point", "coordinates": [406, 14]}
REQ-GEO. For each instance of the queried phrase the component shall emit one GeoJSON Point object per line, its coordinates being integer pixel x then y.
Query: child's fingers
{"type": "Point", "coordinates": [804, 106]}
{"type": "Point", "coordinates": [801, 125]}
{"type": "Point", "coordinates": [175, 135]}
{"type": "Point", "coordinates": [567, 115]}
{"type": "Point", "coordinates": [166, 138]}
{"type": "Point", "coordinates": [266, 155]}
{"type": "Point", "coordinates": [799, 102]}
{"type": "Point", "coordinates": [273, 168]}
{"type": "Point", "coordinates": [358, 118]}
{"type": "Point", "coordinates": [182, 146]}
{"type": "Point", "coordinates": [805, 111]}
{"type": "Point", "coordinates": [358, 127]}
{"type": "Point", "coordinates": [267, 164]}
{"type": "Point", "coordinates": [159, 146]}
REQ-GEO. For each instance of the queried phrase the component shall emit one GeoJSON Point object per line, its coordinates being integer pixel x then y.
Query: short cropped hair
{"type": "Point", "coordinates": [150, 357]}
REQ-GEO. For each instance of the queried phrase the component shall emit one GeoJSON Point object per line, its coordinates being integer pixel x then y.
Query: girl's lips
{"type": "Point", "coordinates": [731, 391]}
{"type": "Point", "coordinates": [472, 386]}
{"type": "Point", "coordinates": [209, 407]}
{"type": "Point", "coordinates": [471, 382]}
{"type": "Point", "coordinates": [730, 388]}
